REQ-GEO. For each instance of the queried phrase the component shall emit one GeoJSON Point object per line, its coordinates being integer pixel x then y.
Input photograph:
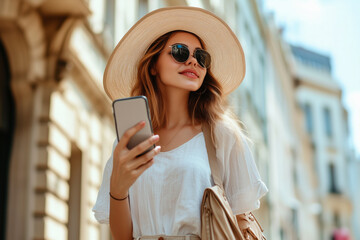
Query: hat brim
{"type": "Point", "coordinates": [227, 56]}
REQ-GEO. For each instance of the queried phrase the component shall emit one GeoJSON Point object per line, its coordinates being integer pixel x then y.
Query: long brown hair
{"type": "Point", "coordinates": [205, 105]}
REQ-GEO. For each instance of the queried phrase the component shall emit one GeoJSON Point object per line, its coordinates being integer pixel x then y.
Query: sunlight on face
{"type": "Point", "coordinates": [187, 76]}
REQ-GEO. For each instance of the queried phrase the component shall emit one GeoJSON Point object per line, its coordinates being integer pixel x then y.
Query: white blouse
{"type": "Point", "coordinates": [166, 198]}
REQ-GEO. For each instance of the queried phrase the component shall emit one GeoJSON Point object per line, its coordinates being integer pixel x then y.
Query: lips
{"type": "Point", "coordinates": [190, 73]}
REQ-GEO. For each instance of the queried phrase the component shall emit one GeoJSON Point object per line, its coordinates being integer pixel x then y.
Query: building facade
{"type": "Point", "coordinates": [326, 123]}
{"type": "Point", "coordinates": [56, 119]}
{"type": "Point", "coordinates": [292, 179]}
{"type": "Point", "coordinates": [249, 100]}
{"type": "Point", "coordinates": [354, 179]}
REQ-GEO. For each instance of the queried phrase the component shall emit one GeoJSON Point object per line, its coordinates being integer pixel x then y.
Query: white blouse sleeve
{"type": "Point", "coordinates": [241, 178]}
{"type": "Point", "coordinates": [101, 208]}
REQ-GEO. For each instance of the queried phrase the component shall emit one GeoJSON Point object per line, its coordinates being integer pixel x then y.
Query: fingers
{"type": "Point", "coordinates": [143, 146]}
{"type": "Point", "coordinates": [144, 159]}
{"type": "Point", "coordinates": [124, 140]}
{"type": "Point", "coordinates": [143, 167]}
{"type": "Point", "coordinates": [128, 162]}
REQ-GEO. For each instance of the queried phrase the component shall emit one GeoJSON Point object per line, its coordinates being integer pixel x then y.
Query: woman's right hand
{"type": "Point", "coordinates": [126, 166]}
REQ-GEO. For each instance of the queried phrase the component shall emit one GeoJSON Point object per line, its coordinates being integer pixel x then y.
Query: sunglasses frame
{"type": "Point", "coordinates": [193, 55]}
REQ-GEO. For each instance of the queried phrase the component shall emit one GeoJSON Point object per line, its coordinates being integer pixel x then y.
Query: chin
{"type": "Point", "coordinates": [193, 89]}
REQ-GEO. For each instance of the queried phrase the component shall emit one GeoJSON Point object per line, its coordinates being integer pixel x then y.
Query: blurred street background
{"type": "Point", "coordinates": [299, 104]}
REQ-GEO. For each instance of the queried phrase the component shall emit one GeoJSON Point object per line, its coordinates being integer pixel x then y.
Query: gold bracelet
{"type": "Point", "coordinates": [118, 199]}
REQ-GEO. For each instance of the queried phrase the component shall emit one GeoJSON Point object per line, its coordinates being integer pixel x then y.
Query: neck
{"type": "Point", "coordinates": [177, 108]}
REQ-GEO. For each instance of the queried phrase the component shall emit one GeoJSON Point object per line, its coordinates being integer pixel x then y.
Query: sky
{"type": "Point", "coordinates": [330, 27]}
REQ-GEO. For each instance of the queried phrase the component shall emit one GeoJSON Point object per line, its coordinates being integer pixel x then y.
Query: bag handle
{"type": "Point", "coordinates": [214, 164]}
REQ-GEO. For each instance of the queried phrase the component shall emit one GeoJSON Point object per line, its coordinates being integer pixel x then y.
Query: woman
{"type": "Point", "coordinates": [185, 61]}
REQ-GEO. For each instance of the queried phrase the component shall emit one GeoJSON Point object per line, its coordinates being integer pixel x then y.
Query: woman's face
{"type": "Point", "coordinates": [172, 74]}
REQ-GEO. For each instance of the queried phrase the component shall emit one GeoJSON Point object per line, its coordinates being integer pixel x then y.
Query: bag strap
{"type": "Point", "coordinates": [211, 151]}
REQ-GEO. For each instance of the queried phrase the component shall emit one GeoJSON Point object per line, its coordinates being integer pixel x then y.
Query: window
{"type": "Point", "coordinates": [308, 118]}
{"type": "Point", "coordinates": [321, 225]}
{"type": "Point", "coordinates": [282, 233]}
{"type": "Point", "coordinates": [294, 171]}
{"type": "Point", "coordinates": [327, 122]}
{"type": "Point", "coordinates": [332, 180]}
{"type": "Point", "coordinates": [143, 8]}
{"type": "Point", "coordinates": [75, 194]}
{"type": "Point", "coordinates": [337, 221]}
{"type": "Point", "coordinates": [110, 20]}
{"type": "Point", "coordinates": [294, 214]}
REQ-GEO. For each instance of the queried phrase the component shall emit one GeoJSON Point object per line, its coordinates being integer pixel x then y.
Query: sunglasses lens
{"type": "Point", "coordinates": [180, 52]}
{"type": "Point", "coordinates": [203, 58]}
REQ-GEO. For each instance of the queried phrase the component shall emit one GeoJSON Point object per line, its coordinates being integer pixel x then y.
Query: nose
{"type": "Point", "coordinates": [192, 61]}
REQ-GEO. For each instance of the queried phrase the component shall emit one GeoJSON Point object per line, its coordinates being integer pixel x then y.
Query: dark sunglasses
{"type": "Point", "coordinates": [181, 53]}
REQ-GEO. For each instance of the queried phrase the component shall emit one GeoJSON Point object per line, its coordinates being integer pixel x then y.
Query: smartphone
{"type": "Point", "coordinates": [127, 113]}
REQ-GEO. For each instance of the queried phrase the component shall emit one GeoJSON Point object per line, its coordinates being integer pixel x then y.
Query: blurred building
{"type": "Point", "coordinates": [56, 125]}
{"type": "Point", "coordinates": [292, 180]}
{"type": "Point", "coordinates": [56, 120]}
{"type": "Point", "coordinates": [249, 100]}
{"type": "Point", "coordinates": [326, 123]}
{"type": "Point", "coordinates": [354, 180]}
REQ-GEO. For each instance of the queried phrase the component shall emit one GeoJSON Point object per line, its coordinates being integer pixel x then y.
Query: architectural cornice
{"type": "Point", "coordinates": [302, 82]}
{"type": "Point", "coordinates": [65, 7]}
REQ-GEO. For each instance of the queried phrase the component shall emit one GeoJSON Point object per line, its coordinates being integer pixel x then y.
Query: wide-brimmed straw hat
{"type": "Point", "coordinates": [227, 56]}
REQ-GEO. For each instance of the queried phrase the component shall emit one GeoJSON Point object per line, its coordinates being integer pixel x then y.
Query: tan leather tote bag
{"type": "Point", "coordinates": [217, 219]}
